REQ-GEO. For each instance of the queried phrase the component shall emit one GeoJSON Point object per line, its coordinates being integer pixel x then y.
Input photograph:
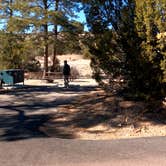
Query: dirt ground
{"type": "Point", "coordinates": [83, 111]}
{"type": "Point", "coordinates": [96, 115]}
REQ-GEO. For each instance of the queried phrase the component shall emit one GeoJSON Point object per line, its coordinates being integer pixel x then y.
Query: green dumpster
{"type": "Point", "coordinates": [12, 76]}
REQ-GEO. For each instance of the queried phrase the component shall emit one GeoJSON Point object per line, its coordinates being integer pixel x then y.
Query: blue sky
{"type": "Point", "coordinates": [81, 18]}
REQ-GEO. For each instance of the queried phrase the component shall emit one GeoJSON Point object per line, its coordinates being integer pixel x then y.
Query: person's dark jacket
{"type": "Point", "coordinates": [66, 69]}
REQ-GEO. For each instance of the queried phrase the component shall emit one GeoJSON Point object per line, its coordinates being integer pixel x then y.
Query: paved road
{"type": "Point", "coordinates": [59, 152]}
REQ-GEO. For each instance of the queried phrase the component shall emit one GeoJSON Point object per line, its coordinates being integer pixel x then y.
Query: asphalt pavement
{"type": "Point", "coordinates": [63, 152]}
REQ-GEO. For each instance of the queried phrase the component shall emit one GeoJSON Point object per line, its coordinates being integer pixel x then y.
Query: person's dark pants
{"type": "Point", "coordinates": [66, 80]}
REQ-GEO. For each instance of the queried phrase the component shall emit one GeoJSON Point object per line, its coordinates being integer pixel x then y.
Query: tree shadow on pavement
{"type": "Point", "coordinates": [18, 126]}
{"type": "Point", "coordinates": [25, 115]}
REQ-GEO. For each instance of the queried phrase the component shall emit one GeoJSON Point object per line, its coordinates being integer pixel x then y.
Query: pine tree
{"type": "Point", "coordinates": [12, 44]}
{"type": "Point", "coordinates": [149, 24]}
{"type": "Point", "coordinates": [63, 11]}
{"type": "Point", "coordinates": [135, 25]}
{"type": "Point", "coordinates": [38, 18]}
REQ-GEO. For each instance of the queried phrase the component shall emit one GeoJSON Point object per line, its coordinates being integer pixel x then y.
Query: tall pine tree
{"type": "Point", "coordinates": [133, 27]}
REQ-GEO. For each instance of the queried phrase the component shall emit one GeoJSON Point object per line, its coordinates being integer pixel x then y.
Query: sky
{"type": "Point", "coordinates": [81, 18]}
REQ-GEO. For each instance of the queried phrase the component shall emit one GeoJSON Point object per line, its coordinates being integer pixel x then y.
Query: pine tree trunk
{"type": "Point", "coordinates": [55, 40]}
{"type": "Point", "coordinates": [45, 73]}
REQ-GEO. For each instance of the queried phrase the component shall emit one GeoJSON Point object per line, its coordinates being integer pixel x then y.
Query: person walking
{"type": "Point", "coordinates": [66, 73]}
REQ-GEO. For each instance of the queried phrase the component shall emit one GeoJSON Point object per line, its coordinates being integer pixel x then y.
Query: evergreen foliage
{"type": "Point", "coordinates": [124, 42]}
{"type": "Point", "coordinates": [34, 20]}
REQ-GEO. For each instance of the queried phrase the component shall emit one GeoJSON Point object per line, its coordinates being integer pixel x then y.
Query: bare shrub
{"type": "Point", "coordinates": [74, 74]}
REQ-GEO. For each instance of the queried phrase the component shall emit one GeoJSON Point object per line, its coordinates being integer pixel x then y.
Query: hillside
{"type": "Point", "coordinates": [75, 61]}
